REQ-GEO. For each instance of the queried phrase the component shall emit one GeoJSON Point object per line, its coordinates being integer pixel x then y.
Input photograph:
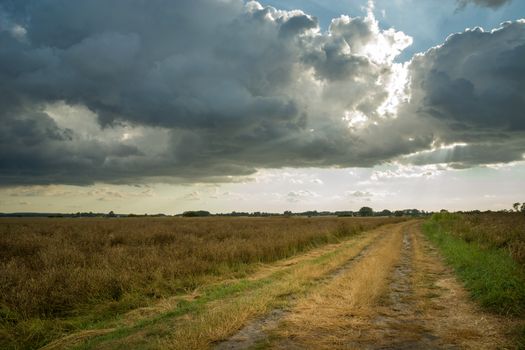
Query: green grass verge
{"type": "Point", "coordinates": [492, 277]}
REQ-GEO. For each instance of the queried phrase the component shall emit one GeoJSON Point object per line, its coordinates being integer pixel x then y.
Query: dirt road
{"type": "Point", "coordinates": [396, 294]}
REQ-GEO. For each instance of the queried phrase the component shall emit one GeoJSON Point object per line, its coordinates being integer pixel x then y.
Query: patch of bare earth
{"type": "Point", "coordinates": [399, 296]}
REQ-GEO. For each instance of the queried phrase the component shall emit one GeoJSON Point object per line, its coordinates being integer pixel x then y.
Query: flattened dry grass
{"type": "Point", "coordinates": [62, 275]}
{"type": "Point", "coordinates": [332, 317]}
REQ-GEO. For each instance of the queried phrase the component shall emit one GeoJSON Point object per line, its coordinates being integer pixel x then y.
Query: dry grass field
{"type": "Point", "coordinates": [62, 275]}
{"type": "Point", "coordinates": [265, 283]}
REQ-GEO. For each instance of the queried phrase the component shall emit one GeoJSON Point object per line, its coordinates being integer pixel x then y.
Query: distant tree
{"type": "Point", "coordinates": [197, 213]}
{"type": "Point", "coordinates": [111, 214]}
{"type": "Point", "coordinates": [385, 212]}
{"type": "Point", "coordinates": [516, 206]}
{"type": "Point", "coordinates": [522, 209]}
{"type": "Point", "coordinates": [411, 212]}
{"type": "Point", "coordinates": [288, 213]}
{"type": "Point", "coordinates": [366, 211]}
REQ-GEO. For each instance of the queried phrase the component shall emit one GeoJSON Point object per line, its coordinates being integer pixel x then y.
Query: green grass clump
{"type": "Point", "coordinates": [493, 278]}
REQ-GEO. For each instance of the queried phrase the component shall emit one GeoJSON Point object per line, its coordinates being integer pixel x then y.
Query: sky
{"type": "Point", "coordinates": [231, 105]}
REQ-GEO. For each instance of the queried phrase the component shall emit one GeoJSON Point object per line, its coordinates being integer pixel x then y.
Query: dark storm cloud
{"type": "Point", "coordinates": [485, 3]}
{"type": "Point", "coordinates": [476, 78]}
{"type": "Point", "coordinates": [126, 90]}
{"type": "Point", "coordinates": [471, 89]}
{"type": "Point", "coordinates": [212, 88]}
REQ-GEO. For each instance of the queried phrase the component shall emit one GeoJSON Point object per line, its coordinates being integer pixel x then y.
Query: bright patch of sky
{"type": "Point", "coordinates": [394, 186]}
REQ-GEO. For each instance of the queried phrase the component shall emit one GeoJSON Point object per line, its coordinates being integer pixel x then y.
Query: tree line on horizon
{"type": "Point", "coordinates": [362, 212]}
